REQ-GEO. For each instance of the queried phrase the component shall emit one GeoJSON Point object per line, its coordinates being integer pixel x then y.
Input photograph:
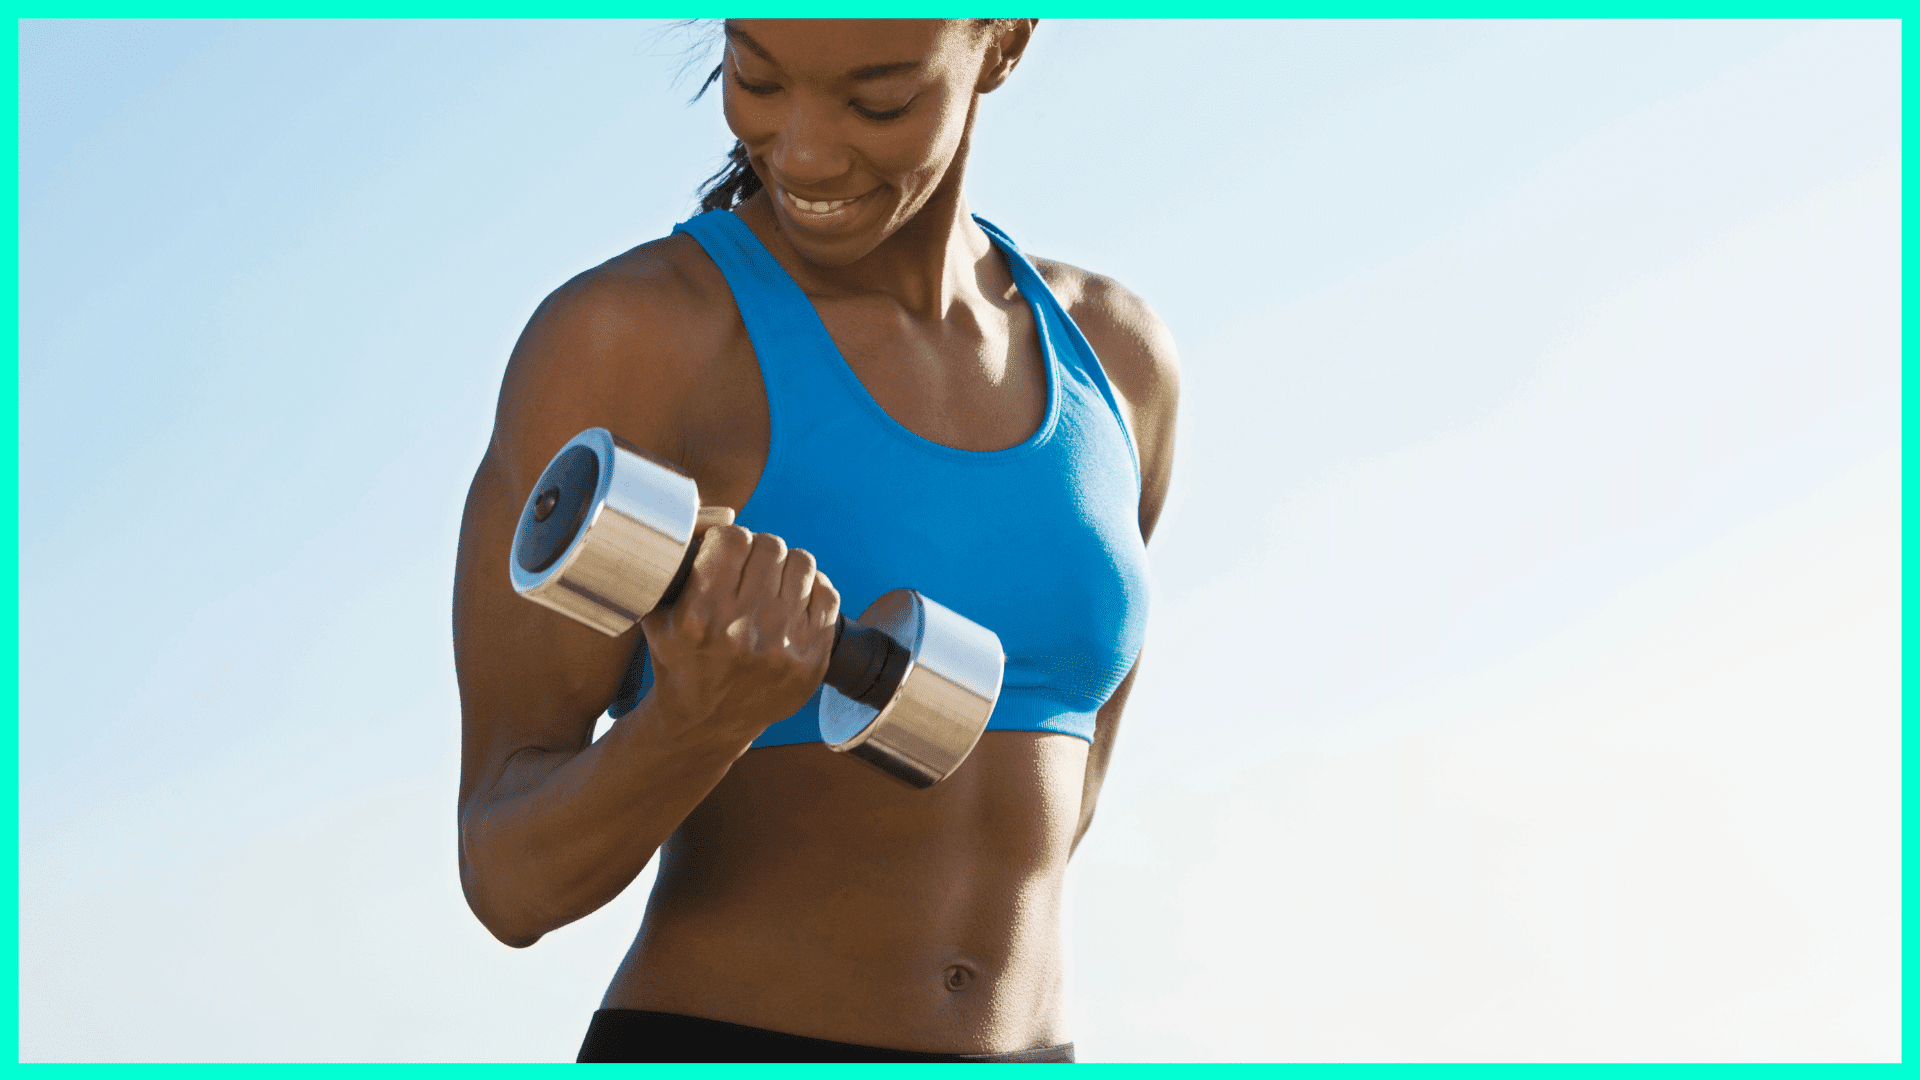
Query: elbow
{"type": "Point", "coordinates": [508, 917]}
{"type": "Point", "coordinates": [511, 924]}
{"type": "Point", "coordinates": [510, 939]}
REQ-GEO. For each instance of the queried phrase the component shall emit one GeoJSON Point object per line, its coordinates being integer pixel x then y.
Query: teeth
{"type": "Point", "coordinates": [816, 207]}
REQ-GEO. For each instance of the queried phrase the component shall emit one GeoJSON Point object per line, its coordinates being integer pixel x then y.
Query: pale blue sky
{"type": "Point", "coordinates": [1522, 679]}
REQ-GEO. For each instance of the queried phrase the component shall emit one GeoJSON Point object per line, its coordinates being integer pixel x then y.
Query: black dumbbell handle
{"type": "Point", "coordinates": [866, 665]}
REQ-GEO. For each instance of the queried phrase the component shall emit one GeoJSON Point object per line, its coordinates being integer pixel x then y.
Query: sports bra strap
{"type": "Point", "coordinates": [797, 357]}
{"type": "Point", "coordinates": [1079, 354]}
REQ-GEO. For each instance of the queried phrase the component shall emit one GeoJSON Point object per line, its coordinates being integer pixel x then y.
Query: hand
{"type": "Point", "coordinates": [747, 641]}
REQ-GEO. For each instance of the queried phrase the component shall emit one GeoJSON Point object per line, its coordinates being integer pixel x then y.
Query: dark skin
{"type": "Point", "coordinates": [798, 890]}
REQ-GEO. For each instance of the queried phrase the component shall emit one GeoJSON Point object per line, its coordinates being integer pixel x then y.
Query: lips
{"type": "Point", "coordinates": [819, 212]}
{"type": "Point", "coordinates": [807, 206]}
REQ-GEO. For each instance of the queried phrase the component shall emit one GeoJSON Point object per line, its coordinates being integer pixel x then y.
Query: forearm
{"type": "Point", "coordinates": [552, 844]}
{"type": "Point", "coordinates": [1089, 794]}
{"type": "Point", "coordinates": [1106, 729]}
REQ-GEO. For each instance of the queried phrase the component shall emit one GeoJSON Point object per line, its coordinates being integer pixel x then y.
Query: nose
{"type": "Point", "coordinates": [807, 150]}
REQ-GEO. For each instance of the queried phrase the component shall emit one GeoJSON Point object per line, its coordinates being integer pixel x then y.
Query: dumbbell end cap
{"type": "Point", "coordinates": [943, 701]}
{"type": "Point", "coordinates": [603, 561]}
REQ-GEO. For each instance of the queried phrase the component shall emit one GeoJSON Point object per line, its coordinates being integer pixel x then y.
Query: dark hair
{"type": "Point", "coordinates": [736, 182]}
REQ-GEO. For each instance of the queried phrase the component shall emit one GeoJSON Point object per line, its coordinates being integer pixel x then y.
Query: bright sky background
{"type": "Point", "coordinates": [1523, 675]}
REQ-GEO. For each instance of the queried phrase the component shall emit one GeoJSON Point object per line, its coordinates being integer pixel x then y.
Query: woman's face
{"type": "Point", "coordinates": [853, 124]}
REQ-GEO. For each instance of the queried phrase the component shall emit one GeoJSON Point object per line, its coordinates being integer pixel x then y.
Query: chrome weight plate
{"type": "Point", "coordinates": [603, 532]}
{"type": "Point", "coordinates": [934, 719]}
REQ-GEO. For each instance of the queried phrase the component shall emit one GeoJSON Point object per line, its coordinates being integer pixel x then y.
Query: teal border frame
{"type": "Point", "coordinates": [10, 543]}
{"type": "Point", "coordinates": [1059, 9]}
{"type": "Point", "coordinates": [608, 9]}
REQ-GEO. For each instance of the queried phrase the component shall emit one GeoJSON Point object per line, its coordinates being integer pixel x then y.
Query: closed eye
{"type": "Point", "coordinates": [754, 88]}
{"type": "Point", "coordinates": [890, 114]}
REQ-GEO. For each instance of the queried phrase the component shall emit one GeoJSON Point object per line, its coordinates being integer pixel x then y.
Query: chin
{"type": "Point", "coordinates": [831, 250]}
{"type": "Point", "coordinates": [828, 255]}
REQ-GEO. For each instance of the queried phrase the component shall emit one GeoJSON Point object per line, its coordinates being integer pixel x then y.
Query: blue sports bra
{"type": "Point", "coordinates": [1039, 542]}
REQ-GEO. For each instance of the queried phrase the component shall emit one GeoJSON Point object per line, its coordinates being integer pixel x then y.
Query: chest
{"type": "Point", "coordinates": [978, 383]}
{"type": "Point", "coordinates": [982, 461]}
{"type": "Point", "coordinates": [974, 380]}
{"type": "Point", "coordinates": [1039, 542]}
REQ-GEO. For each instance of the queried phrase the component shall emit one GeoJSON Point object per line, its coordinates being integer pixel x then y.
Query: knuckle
{"type": "Point", "coordinates": [727, 538]}
{"type": "Point", "coordinates": [688, 621]}
{"type": "Point", "coordinates": [720, 559]}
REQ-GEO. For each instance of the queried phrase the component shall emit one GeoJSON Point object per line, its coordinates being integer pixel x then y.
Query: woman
{"type": "Point", "coordinates": [869, 376]}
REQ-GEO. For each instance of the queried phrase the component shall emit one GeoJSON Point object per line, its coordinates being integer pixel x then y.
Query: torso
{"type": "Point", "coordinates": [818, 899]}
{"type": "Point", "coordinates": [977, 384]}
{"type": "Point", "coordinates": [814, 898]}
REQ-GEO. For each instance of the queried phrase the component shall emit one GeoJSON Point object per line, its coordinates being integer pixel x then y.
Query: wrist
{"type": "Point", "coordinates": [687, 735]}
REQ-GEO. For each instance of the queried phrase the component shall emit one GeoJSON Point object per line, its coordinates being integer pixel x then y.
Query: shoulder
{"type": "Point", "coordinates": [1137, 353]}
{"type": "Point", "coordinates": [1103, 306]}
{"type": "Point", "coordinates": [619, 346]}
{"type": "Point", "coordinates": [648, 304]}
{"type": "Point", "coordinates": [1135, 348]}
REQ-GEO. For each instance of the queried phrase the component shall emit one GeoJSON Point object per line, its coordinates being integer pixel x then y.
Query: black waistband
{"type": "Point", "coordinates": [640, 1035]}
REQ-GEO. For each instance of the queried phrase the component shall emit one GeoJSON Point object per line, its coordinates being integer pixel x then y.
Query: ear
{"type": "Point", "coordinates": [1003, 52]}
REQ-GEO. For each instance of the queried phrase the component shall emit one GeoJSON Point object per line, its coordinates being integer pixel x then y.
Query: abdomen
{"type": "Point", "coordinates": [812, 895]}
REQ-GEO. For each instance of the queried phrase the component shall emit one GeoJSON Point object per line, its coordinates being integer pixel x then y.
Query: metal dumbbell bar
{"type": "Point", "coordinates": [608, 534]}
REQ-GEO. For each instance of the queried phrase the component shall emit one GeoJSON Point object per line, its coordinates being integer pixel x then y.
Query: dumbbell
{"type": "Point", "coordinates": [608, 534]}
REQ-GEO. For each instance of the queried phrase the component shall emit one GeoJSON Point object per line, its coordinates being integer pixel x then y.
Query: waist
{"type": "Point", "coordinates": [812, 895]}
{"type": "Point", "coordinates": [636, 1035]}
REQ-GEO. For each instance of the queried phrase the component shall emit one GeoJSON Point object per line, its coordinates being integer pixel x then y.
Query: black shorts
{"type": "Point", "coordinates": [639, 1035]}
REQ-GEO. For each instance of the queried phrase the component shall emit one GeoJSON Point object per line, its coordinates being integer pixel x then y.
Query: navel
{"type": "Point", "coordinates": [959, 977]}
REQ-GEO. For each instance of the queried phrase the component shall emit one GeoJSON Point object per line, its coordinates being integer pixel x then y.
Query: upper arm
{"type": "Point", "coordinates": [1141, 363]}
{"type": "Point", "coordinates": [607, 349]}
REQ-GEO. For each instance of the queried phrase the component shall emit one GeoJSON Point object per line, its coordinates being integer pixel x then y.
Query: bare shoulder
{"type": "Point", "coordinates": [1139, 357]}
{"type": "Point", "coordinates": [1134, 346]}
{"type": "Point", "coordinates": [619, 346]}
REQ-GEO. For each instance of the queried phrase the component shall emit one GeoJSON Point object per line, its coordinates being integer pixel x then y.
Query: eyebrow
{"type": "Point", "coordinates": [872, 71]}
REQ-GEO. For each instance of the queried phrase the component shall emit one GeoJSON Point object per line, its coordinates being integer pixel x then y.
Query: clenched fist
{"type": "Point", "coordinates": [748, 639]}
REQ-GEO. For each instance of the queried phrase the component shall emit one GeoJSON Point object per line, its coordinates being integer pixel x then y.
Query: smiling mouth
{"type": "Point", "coordinates": [809, 208]}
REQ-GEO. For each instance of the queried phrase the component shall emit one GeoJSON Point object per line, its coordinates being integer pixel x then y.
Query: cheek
{"type": "Point", "coordinates": [753, 119]}
{"type": "Point", "coordinates": [741, 116]}
{"type": "Point", "coordinates": [922, 153]}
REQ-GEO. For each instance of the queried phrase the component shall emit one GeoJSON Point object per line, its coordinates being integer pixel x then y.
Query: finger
{"type": "Point", "coordinates": [708, 517]}
{"type": "Point", "coordinates": [717, 566]}
{"type": "Point", "coordinates": [796, 578]}
{"type": "Point", "coordinates": [823, 604]}
{"type": "Point", "coordinates": [760, 577]}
